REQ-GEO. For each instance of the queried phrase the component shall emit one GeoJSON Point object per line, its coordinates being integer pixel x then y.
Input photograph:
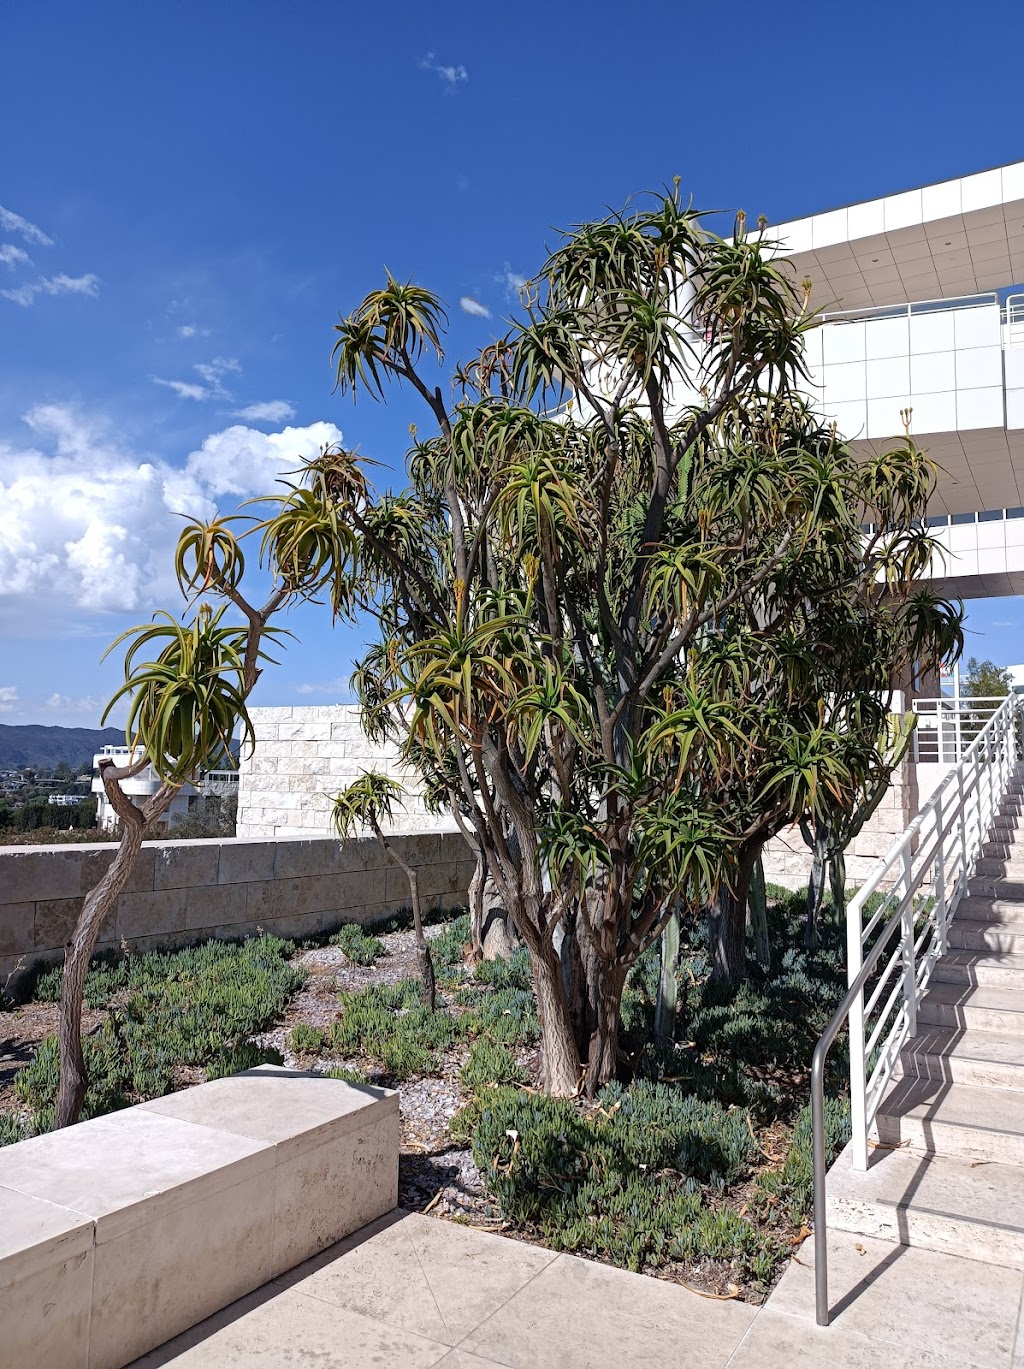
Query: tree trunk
{"type": "Point", "coordinates": [818, 839]}
{"type": "Point", "coordinates": [578, 975]}
{"type": "Point", "coordinates": [560, 1056]}
{"type": "Point", "coordinates": [668, 983]}
{"type": "Point", "coordinates": [498, 931]}
{"type": "Point", "coordinates": [476, 907]}
{"type": "Point", "coordinates": [728, 923]}
{"type": "Point", "coordinates": [837, 882]}
{"type": "Point", "coordinates": [603, 1063]}
{"type": "Point", "coordinates": [74, 1081]}
{"type": "Point", "coordinates": [427, 977]}
{"type": "Point", "coordinates": [757, 905]}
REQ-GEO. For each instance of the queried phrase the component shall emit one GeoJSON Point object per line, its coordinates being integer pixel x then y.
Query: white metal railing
{"type": "Point", "coordinates": [920, 306]}
{"type": "Point", "coordinates": [1014, 313]}
{"type": "Point", "coordinates": [892, 948]}
{"type": "Point", "coordinates": [947, 726]}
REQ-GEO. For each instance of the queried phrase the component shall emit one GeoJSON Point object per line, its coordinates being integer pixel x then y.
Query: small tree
{"type": "Point", "coordinates": [365, 803]}
{"type": "Point", "coordinates": [184, 705]}
{"type": "Point", "coordinates": [985, 680]}
{"type": "Point", "coordinates": [633, 640]}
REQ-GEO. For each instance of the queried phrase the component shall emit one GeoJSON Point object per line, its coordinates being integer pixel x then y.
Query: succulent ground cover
{"type": "Point", "coordinates": [697, 1170]}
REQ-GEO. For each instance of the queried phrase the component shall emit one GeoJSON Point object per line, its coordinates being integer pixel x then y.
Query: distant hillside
{"type": "Point", "coordinates": [44, 747]}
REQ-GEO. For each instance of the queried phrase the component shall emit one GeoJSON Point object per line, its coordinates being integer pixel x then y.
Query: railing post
{"type": "Point", "coordinates": [940, 878]}
{"type": "Point", "coordinates": [907, 934]}
{"type": "Point", "coordinates": [858, 1065]}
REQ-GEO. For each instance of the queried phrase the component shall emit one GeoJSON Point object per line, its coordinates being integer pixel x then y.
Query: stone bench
{"type": "Point", "coordinates": [121, 1232]}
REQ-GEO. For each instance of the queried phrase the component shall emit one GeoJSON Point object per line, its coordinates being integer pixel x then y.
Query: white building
{"type": "Point", "coordinates": [139, 788]}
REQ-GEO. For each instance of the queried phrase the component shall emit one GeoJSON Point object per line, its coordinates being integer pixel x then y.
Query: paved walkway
{"type": "Point", "coordinates": [412, 1292]}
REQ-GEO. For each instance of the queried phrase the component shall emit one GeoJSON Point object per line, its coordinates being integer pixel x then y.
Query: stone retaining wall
{"type": "Point", "coordinates": [182, 892]}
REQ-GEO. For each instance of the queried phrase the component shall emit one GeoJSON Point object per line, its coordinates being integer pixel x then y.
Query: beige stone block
{"type": "Point", "coordinates": [161, 1278]}
{"type": "Point", "coordinates": [46, 1273]}
{"type": "Point", "coordinates": [327, 1193]}
{"type": "Point", "coordinates": [216, 905]}
{"type": "Point", "coordinates": [26, 876]}
{"type": "Point", "coordinates": [150, 914]}
{"type": "Point", "coordinates": [95, 861]}
{"type": "Point", "coordinates": [130, 1168]}
{"type": "Point", "coordinates": [244, 861]}
{"type": "Point", "coordinates": [17, 928]}
{"type": "Point", "coordinates": [56, 919]}
{"type": "Point", "coordinates": [184, 864]}
{"type": "Point", "coordinates": [336, 1149]}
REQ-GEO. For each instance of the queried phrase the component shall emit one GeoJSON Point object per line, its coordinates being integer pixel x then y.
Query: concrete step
{"type": "Point", "coordinates": [973, 1007]}
{"type": "Point", "coordinates": [997, 886]}
{"type": "Point", "coordinates": [955, 1206]}
{"type": "Point", "coordinates": [972, 934]}
{"type": "Point", "coordinates": [956, 1055]}
{"type": "Point", "coordinates": [999, 867]}
{"type": "Point", "coordinates": [1004, 971]}
{"type": "Point", "coordinates": [955, 1120]}
{"type": "Point", "coordinates": [978, 909]}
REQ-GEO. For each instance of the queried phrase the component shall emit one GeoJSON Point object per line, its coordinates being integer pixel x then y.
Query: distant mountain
{"type": "Point", "coordinates": [44, 747]}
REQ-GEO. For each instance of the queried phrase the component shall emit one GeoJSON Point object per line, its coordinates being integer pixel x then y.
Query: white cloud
{"type": "Point", "coordinates": [338, 688]}
{"type": "Point", "coordinates": [212, 372]}
{"type": "Point", "coordinates": [8, 698]}
{"type": "Point", "coordinates": [25, 295]}
{"type": "Point", "coordinates": [469, 305]}
{"type": "Point", "coordinates": [14, 223]}
{"type": "Point", "coordinates": [192, 330]}
{"type": "Point", "coordinates": [88, 704]}
{"type": "Point", "coordinates": [273, 411]}
{"type": "Point", "coordinates": [184, 389]}
{"type": "Point", "coordinates": [88, 524]}
{"type": "Point", "coordinates": [450, 75]}
{"type": "Point", "coordinates": [10, 255]}
{"type": "Point", "coordinates": [512, 281]}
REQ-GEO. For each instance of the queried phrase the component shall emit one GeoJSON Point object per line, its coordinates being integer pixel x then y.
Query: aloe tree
{"type": "Point", "coordinates": [613, 600]}
{"type": "Point", "coordinates": [367, 800]}
{"type": "Point", "coordinates": [187, 683]}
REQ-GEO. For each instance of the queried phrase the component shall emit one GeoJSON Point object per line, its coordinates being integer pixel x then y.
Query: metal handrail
{"type": "Point", "coordinates": [920, 306]}
{"type": "Point", "coordinates": [1001, 729]}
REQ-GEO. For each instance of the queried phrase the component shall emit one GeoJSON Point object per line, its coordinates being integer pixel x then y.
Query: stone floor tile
{"type": "Point", "coordinates": [904, 1295]}
{"type": "Point", "coordinates": [289, 1328]}
{"type": "Point", "coordinates": [432, 1277]}
{"type": "Point", "coordinates": [581, 1315]}
{"type": "Point", "coordinates": [780, 1341]}
{"type": "Point", "coordinates": [462, 1359]}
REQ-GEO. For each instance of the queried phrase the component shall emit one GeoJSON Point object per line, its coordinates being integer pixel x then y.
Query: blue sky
{"type": "Point", "coordinates": [193, 192]}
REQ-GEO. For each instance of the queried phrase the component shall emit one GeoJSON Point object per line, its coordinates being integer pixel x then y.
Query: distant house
{"type": "Point", "coordinates": [139, 788]}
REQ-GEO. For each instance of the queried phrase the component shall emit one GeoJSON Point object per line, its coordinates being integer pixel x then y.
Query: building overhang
{"type": "Point", "coordinates": [959, 237]}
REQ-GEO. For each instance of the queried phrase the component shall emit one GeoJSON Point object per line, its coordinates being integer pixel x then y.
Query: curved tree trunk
{"type": "Point", "coordinates": [74, 1080]}
{"type": "Point", "coordinates": [579, 974]}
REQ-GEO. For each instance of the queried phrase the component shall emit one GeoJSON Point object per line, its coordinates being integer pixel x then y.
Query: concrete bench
{"type": "Point", "coordinates": [121, 1232]}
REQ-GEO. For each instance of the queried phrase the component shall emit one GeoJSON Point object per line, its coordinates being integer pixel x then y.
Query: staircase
{"type": "Point", "coordinates": [947, 1166]}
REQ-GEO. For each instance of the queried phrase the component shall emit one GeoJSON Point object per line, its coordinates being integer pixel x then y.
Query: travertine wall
{"type": "Point", "coordinates": [302, 757]}
{"type": "Point", "coordinates": [187, 891]}
{"type": "Point", "coordinates": [787, 860]}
